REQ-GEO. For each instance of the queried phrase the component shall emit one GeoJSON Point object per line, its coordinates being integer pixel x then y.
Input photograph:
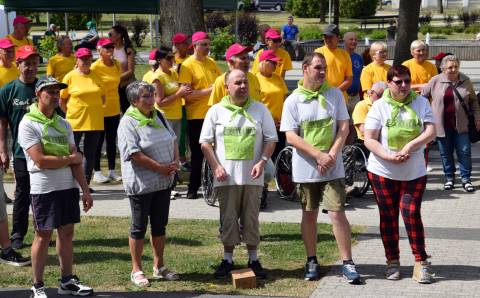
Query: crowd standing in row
{"type": "Point", "coordinates": [238, 121]}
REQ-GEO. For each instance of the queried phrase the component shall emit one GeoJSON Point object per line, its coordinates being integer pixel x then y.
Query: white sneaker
{"type": "Point", "coordinates": [99, 178]}
{"type": "Point", "coordinates": [112, 175]}
{"type": "Point", "coordinates": [38, 293]}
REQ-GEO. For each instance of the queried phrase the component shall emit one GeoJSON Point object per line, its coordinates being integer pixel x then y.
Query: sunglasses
{"type": "Point", "coordinates": [109, 47]}
{"type": "Point", "coordinates": [399, 83]}
{"type": "Point", "coordinates": [277, 40]}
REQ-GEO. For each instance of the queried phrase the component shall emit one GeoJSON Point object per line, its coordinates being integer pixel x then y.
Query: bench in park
{"type": "Point", "coordinates": [377, 20]}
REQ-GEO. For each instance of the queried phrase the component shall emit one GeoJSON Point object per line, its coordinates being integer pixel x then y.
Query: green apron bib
{"type": "Point", "coordinates": [52, 145]}
{"type": "Point", "coordinates": [239, 142]}
{"type": "Point", "coordinates": [401, 132]}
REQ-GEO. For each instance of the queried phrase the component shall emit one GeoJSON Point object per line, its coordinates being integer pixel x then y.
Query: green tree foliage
{"type": "Point", "coordinates": [221, 40]}
{"type": "Point", "coordinates": [47, 47]}
{"type": "Point", "coordinates": [76, 21]}
{"type": "Point", "coordinates": [305, 8]}
{"type": "Point", "coordinates": [358, 8]}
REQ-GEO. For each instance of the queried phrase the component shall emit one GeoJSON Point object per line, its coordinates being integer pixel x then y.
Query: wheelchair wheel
{"type": "Point", "coordinates": [283, 174]}
{"type": "Point", "coordinates": [207, 183]}
{"type": "Point", "coordinates": [355, 164]}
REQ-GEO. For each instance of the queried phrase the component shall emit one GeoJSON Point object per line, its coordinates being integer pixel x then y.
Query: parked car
{"type": "Point", "coordinates": [278, 5]}
{"type": "Point", "coordinates": [386, 2]}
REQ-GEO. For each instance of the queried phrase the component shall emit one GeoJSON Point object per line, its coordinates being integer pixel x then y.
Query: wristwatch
{"type": "Point", "coordinates": [264, 158]}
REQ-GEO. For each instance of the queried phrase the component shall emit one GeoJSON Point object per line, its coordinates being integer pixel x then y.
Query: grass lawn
{"type": "Point", "coordinates": [102, 258]}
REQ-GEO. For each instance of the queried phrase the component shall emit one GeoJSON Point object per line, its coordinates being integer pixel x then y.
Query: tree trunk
{"type": "Point", "coordinates": [408, 14]}
{"type": "Point", "coordinates": [336, 12]}
{"type": "Point", "coordinates": [184, 16]}
{"type": "Point", "coordinates": [440, 6]}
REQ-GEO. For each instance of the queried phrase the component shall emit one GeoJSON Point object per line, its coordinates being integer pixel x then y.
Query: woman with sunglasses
{"type": "Point", "coordinates": [274, 43]}
{"type": "Point", "coordinates": [82, 101]}
{"type": "Point", "coordinates": [397, 128]}
{"type": "Point", "coordinates": [377, 70]}
{"type": "Point", "coordinates": [124, 53]}
{"type": "Point", "coordinates": [109, 71]}
{"type": "Point", "coordinates": [168, 93]}
{"type": "Point", "coordinates": [452, 128]}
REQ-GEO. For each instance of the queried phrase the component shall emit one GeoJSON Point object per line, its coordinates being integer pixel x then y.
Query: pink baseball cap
{"type": "Point", "coordinates": [272, 34]}
{"type": "Point", "coordinates": [236, 49]}
{"type": "Point", "coordinates": [21, 20]}
{"type": "Point", "coordinates": [152, 57]}
{"type": "Point", "coordinates": [179, 38]}
{"type": "Point", "coordinates": [6, 43]}
{"type": "Point", "coordinates": [104, 42]}
{"type": "Point", "coordinates": [24, 52]}
{"type": "Point", "coordinates": [269, 55]}
{"type": "Point", "coordinates": [82, 52]}
{"type": "Point", "coordinates": [199, 35]}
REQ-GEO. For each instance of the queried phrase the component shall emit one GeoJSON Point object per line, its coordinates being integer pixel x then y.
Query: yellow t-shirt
{"type": "Point", "coordinates": [273, 91]}
{"type": "Point", "coordinates": [58, 66]}
{"type": "Point", "coordinates": [339, 66]}
{"type": "Point", "coordinates": [420, 73]}
{"type": "Point", "coordinates": [110, 76]}
{"type": "Point", "coordinates": [8, 74]}
{"type": "Point", "coordinates": [180, 60]}
{"type": "Point", "coordinates": [19, 42]}
{"type": "Point", "coordinates": [84, 106]}
{"type": "Point", "coordinates": [219, 90]}
{"type": "Point", "coordinates": [200, 75]}
{"type": "Point", "coordinates": [284, 64]}
{"type": "Point", "coordinates": [359, 114]}
{"type": "Point", "coordinates": [373, 73]}
{"type": "Point", "coordinates": [173, 110]}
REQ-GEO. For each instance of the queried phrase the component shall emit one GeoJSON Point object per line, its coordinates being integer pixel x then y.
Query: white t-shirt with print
{"type": "Point", "coordinates": [295, 111]}
{"type": "Point", "coordinates": [218, 117]}
{"type": "Point", "coordinates": [377, 117]}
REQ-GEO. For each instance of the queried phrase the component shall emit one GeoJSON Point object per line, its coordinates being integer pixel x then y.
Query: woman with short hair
{"type": "Point", "coordinates": [452, 121]}
{"type": "Point", "coordinates": [149, 158]}
{"type": "Point", "coordinates": [64, 61]}
{"type": "Point", "coordinates": [377, 70]}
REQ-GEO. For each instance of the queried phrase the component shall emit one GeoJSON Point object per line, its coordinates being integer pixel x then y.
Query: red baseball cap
{"type": "Point", "coordinates": [199, 35]}
{"type": "Point", "coordinates": [236, 49]}
{"type": "Point", "coordinates": [21, 20]}
{"type": "Point", "coordinates": [179, 38]}
{"type": "Point", "coordinates": [6, 43]}
{"type": "Point", "coordinates": [104, 42]}
{"type": "Point", "coordinates": [441, 55]}
{"type": "Point", "coordinates": [152, 57]}
{"type": "Point", "coordinates": [24, 52]}
{"type": "Point", "coordinates": [82, 52]}
{"type": "Point", "coordinates": [269, 55]}
{"type": "Point", "coordinates": [272, 34]}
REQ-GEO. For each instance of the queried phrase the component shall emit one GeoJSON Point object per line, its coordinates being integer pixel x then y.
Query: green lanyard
{"type": "Point", "coordinates": [52, 145]}
{"type": "Point", "coordinates": [142, 119]}
{"type": "Point", "coordinates": [226, 102]}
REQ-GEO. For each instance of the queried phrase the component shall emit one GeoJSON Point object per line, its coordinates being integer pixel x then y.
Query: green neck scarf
{"type": "Point", "coordinates": [52, 145]}
{"type": "Point", "coordinates": [311, 95]}
{"type": "Point", "coordinates": [397, 106]}
{"type": "Point", "coordinates": [226, 102]}
{"type": "Point", "coordinates": [143, 120]}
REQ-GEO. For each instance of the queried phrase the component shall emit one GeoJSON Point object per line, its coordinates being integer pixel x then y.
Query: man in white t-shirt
{"type": "Point", "coordinates": [244, 136]}
{"type": "Point", "coordinates": [315, 120]}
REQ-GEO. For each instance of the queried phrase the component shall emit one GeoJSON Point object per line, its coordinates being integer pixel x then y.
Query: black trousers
{"type": "Point", "coordinates": [110, 134]}
{"type": "Point", "coordinates": [280, 145]}
{"type": "Point", "coordinates": [90, 142]}
{"type": "Point", "coordinates": [124, 104]}
{"type": "Point", "coordinates": [21, 205]}
{"type": "Point", "coordinates": [194, 128]}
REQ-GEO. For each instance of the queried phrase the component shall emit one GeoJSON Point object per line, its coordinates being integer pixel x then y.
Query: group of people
{"type": "Point", "coordinates": [237, 121]}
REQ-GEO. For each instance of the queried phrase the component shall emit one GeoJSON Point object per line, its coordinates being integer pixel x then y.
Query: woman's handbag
{"type": "Point", "coordinates": [473, 133]}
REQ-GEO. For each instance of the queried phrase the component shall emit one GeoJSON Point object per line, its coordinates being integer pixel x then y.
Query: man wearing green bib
{"type": "Point", "coordinates": [244, 136]}
{"type": "Point", "coordinates": [315, 120]}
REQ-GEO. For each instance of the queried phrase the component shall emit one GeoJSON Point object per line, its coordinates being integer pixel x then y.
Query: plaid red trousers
{"type": "Point", "coordinates": [392, 197]}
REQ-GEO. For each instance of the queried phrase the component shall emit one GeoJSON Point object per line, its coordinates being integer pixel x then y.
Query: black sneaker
{"type": "Point", "coordinates": [257, 269]}
{"type": "Point", "coordinates": [74, 287]}
{"type": "Point", "coordinates": [14, 258]}
{"type": "Point", "coordinates": [224, 269]}
{"type": "Point", "coordinates": [192, 195]}
{"type": "Point", "coordinates": [17, 243]}
{"type": "Point", "coordinates": [311, 271]}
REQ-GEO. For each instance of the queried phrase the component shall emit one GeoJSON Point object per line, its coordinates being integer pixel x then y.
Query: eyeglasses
{"type": "Point", "coordinates": [381, 52]}
{"type": "Point", "coordinates": [399, 83]}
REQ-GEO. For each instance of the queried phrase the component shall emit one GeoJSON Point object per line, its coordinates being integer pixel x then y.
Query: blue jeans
{"type": "Point", "coordinates": [461, 144]}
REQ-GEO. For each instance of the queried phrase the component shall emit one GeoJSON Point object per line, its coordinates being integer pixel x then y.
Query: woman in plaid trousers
{"type": "Point", "coordinates": [396, 130]}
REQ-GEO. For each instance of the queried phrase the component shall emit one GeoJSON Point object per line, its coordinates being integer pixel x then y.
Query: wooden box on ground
{"type": "Point", "coordinates": [244, 278]}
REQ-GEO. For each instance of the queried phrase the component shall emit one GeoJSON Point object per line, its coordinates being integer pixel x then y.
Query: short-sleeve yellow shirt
{"type": "Point", "coordinates": [8, 74]}
{"type": "Point", "coordinates": [359, 114]}
{"type": "Point", "coordinates": [373, 73]}
{"type": "Point", "coordinates": [58, 66]}
{"type": "Point", "coordinates": [110, 76]}
{"type": "Point", "coordinates": [84, 106]}
{"type": "Point", "coordinates": [173, 110]}
{"type": "Point", "coordinates": [273, 91]}
{"type": "Point", "coordinates": [284, 64]}
{"type": "Point", "coordinates": [339, 66]}
{"type": "Point", "coordinates": [420, 73]}
{"type": "Point", "coordinates": [19, 42]}
{"type": "Point", "coordinates": [219, 90]}
{"type": "Point", "coordinates": [200, 75]}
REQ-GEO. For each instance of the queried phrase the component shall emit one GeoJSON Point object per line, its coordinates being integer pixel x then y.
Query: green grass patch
{"type": "Point", "coordinates": [102, 258]}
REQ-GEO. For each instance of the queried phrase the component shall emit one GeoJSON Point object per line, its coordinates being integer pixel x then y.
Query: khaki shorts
{"type": "Point", "coordinates": [239, 202]}
{"type": "Point", "coordinates": [330, 193]}
{"type": "Point", "coordinates": [3, 205]}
